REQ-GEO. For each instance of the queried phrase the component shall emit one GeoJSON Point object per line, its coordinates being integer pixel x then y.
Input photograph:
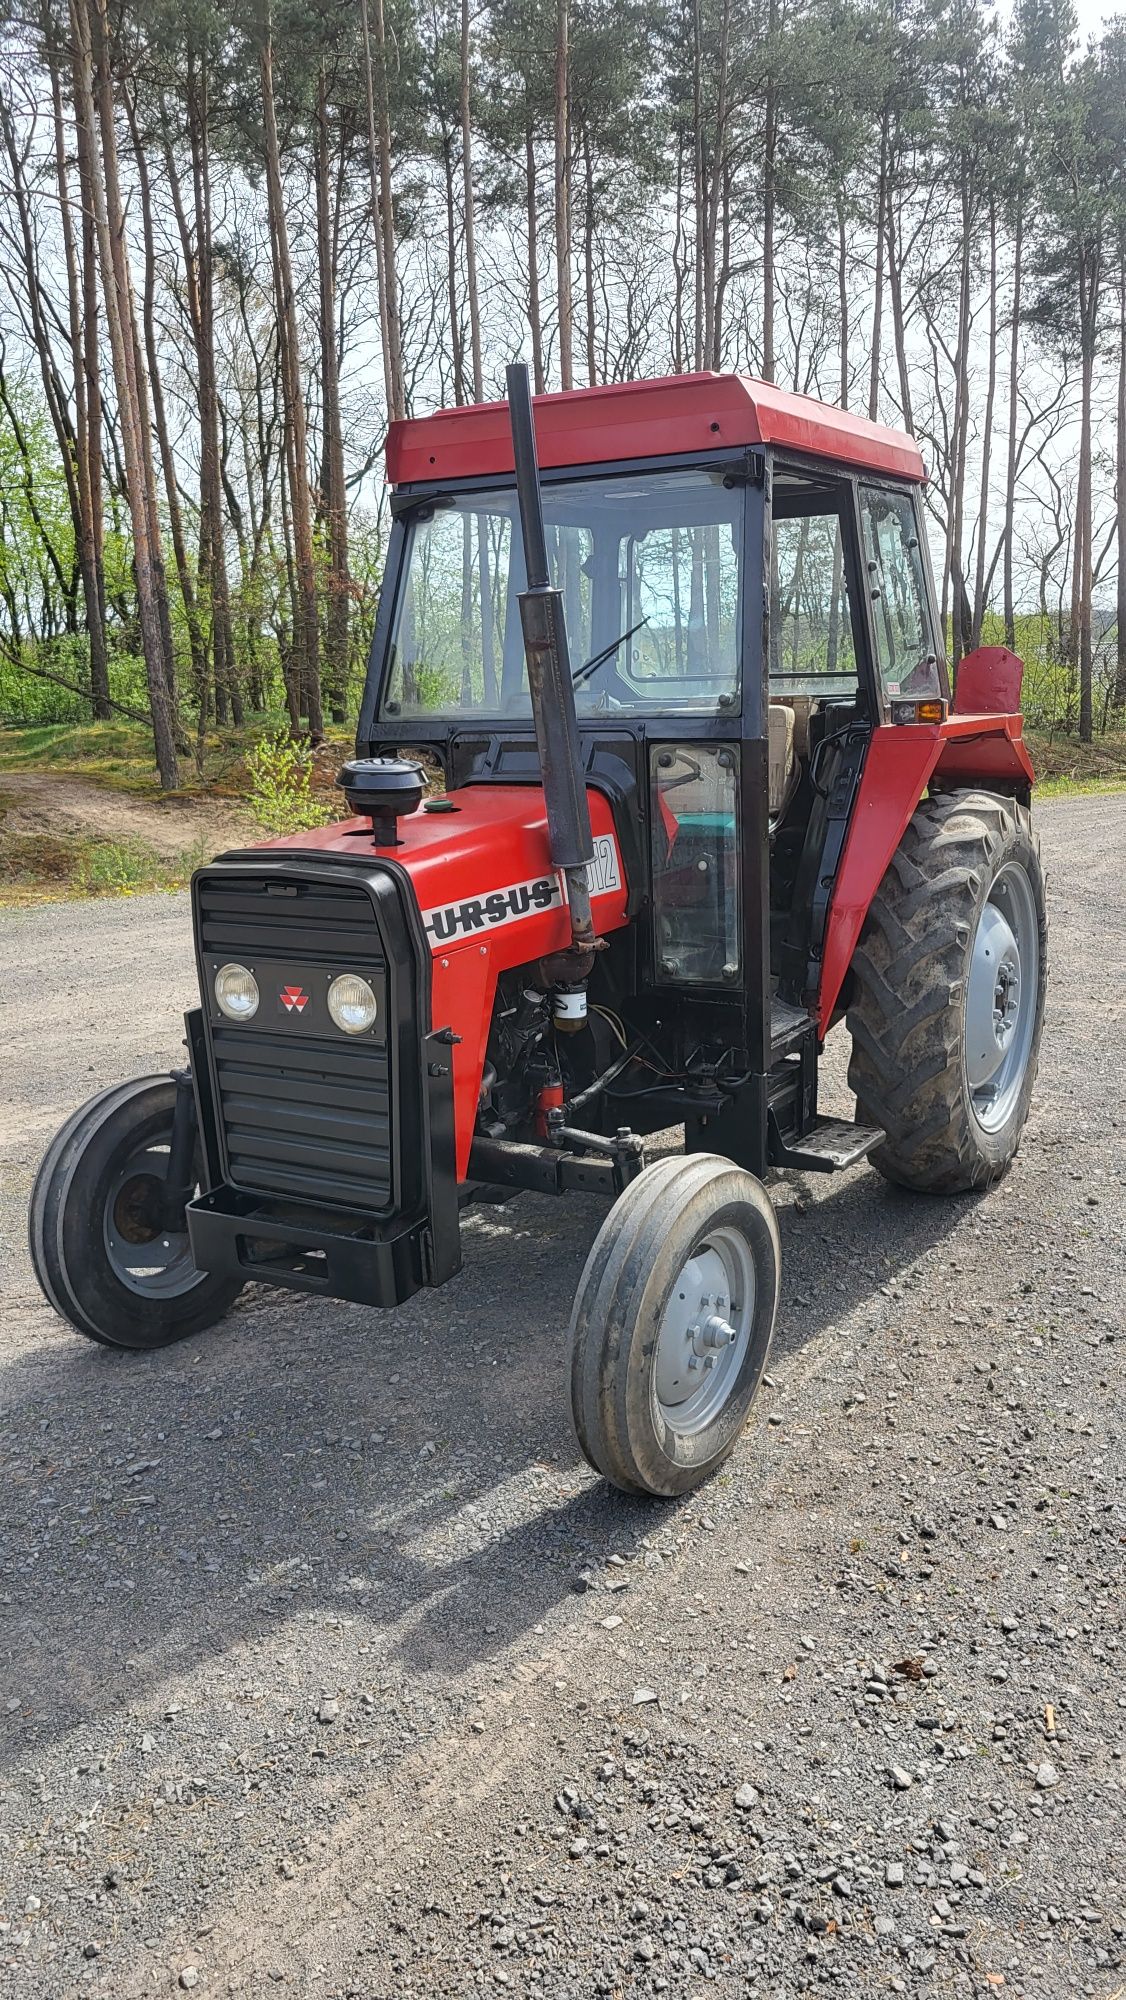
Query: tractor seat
{"type": "Point", "coordinates": [781, 758]}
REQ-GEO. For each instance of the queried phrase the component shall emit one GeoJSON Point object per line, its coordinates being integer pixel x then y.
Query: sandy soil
{"type": "Point", "coordinates": [61, 804]}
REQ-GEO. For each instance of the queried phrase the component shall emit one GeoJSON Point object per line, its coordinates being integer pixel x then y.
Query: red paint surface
{"type": "Point", "coordinates": [631, 420]}
{"type": "Point", "coordinates": [989, 682]}
{"type": "Point", "coordinates": [496, 839]}
{"type": "Point", "coordinates": [965, 749]}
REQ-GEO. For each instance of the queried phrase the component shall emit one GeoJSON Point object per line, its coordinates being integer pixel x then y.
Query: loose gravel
{"type": "Point", "coordinates": [329, 1669]}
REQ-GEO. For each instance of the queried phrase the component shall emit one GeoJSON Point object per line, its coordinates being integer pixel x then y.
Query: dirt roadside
{"type": "Point", "coordinates": [330, 1670]}
{"type": "Point", "coordinates": [62, 805]}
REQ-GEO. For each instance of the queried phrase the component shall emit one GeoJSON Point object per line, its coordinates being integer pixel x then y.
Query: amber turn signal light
{"type": "Point", "coordinates": [918, 711]}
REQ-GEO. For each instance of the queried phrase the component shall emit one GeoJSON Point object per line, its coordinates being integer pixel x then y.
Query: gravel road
{"type": "Point", "coordinates": [329, 1669]}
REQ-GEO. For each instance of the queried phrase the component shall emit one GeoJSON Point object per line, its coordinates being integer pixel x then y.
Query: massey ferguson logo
{"type": "Point", "coordinates": [522, 899]}
{"type": "Point", "coordinates": [293, 999]}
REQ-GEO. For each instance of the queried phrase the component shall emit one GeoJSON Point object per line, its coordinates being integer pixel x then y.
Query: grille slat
{"type": "Point", "coordinates": [320, 921]}
{"type": "Point", "coordinates": [302, 1116]}
{"type": "Point", "coordinates": [263, 1055]}
{"type": "Point", "coordinates": [362, 1130]}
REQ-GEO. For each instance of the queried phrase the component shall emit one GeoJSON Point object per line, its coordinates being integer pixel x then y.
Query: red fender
{"type": "Point", "coordinates": [980, 749]}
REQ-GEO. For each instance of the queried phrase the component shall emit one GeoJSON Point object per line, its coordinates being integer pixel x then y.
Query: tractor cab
{"type": "Point", "coordinates": [747, 598]}
{"type": "Point", "coordinates": [659, 776]}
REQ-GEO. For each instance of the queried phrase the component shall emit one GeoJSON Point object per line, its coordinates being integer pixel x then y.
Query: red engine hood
{"type": "Point", "coordinates": [490, 900]}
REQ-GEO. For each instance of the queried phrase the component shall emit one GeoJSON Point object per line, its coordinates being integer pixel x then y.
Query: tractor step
{"type": "Point", "coordinates": [832, 1144]}
{"type": "Point", "coordinates": [788, 1027]}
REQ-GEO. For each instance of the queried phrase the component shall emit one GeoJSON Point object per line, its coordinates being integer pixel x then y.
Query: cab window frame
{"type": "Point", "coordinates": [912, 494]}
{"type": "Point", "coordinates": [410, 510]}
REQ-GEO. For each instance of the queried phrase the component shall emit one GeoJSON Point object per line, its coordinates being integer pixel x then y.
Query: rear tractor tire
{"type": "Point", "coordinates": [107, 1253]}
{"type": "Point", "coordinates": [949, 980]}
{"type": "Point", "coordinates": [672, 1324]}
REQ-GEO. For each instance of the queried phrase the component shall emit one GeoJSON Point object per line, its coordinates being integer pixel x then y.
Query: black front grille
{"type": "Point", "coordinates": [308, 1117]}
{"type": "Point", "coordinates": [241, 916]}
{"type": "Point", "coordinates": [304, 1119]}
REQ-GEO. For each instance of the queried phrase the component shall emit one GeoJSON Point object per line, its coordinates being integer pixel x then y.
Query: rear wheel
{"type": "Point", "coordinates": [948, 998]}
{"type": "Point", "coordinates": [672, 1324]}
{"type": "Point", "coordinates": [108, 1252]}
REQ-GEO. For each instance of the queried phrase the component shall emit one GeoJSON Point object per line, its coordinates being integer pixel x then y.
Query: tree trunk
{"type": "Point", "coordinates": [588, 260]}
{"type": "Point", "coordinates": [1120, 496]}
{"type": "Point", "coordinates": [457, 342]}
{"type": "Point", "coordinates": [1009, 606]}
{"type": "Point", "coordinates": [882, 206]}
{"type": "Point", "coordinates": [1083, 527]}
{"type": "Point", "coordinates": [842, 294]}
{"type": "Point", "coordinates": [535, 321]}
{"type": "Point", "coordinates": [712, 182]}
{"type": "Point", "coordinates": [978, 608]}
{"type": "Point", "coordinates": [91, 443]}
{"type": "Point", "coordinates": [87, 544]}
{"type": "Point", "coordinates": [305, 624]}
{"type": "Point", "coordinates": [563, 192]}
{"type": "Point", "coordinates": [468, 200]}
{"type": "Point", "coordinates": [196, 646]}
{"type": "Point", "coordinates": [199, 135]}
{"type": "Point", "coordinates": [769, 173]}
{"type": "Point", "coordinates": [95, 86]}
{"type": "Point", "coordinates": [699, 192]}
{"type": "Point", "coordinates": [334, 495]}
{"type": "Point", "coordinates": [383, 211]}
{"type": "Point", "coordinates": [898, 323]}
{"type": "Point", "coordinates": [954, 564]}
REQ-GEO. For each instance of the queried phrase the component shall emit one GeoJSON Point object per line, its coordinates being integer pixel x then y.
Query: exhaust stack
{"type": "Point", "coordinates": [549, 678]}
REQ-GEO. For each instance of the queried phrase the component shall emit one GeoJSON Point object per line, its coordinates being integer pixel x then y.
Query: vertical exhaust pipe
{"type": "Point", "coordinates": [549, 678]}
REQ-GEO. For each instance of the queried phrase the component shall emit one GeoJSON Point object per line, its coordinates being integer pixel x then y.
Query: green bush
{"type": "Point", "coordinates": [281, 785]}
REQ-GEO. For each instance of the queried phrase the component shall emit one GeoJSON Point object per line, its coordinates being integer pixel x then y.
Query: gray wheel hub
{"type": "Point", "coordinates": [145, 1255]}
{"type": "Point", "coordinates": [1001, 997]}
{"type": "Point", "coordinates": [704, 1333]}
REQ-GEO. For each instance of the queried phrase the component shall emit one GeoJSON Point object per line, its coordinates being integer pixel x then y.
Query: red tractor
{"type": "Point", "coordinates": [704, 795]}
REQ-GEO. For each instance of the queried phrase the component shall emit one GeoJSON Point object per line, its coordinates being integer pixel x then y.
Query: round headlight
{"type": "Point", "coordinates": [236, 992]}
{"type": "Point", "coordinates": [352, 1004]}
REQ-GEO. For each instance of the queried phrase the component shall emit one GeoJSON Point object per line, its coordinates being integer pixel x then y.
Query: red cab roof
{"type": "Point", "coordinates": [631, 420]}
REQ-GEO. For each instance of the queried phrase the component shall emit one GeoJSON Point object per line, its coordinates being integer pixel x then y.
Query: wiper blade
{"type": "Point", "coordinates": [597, 660]}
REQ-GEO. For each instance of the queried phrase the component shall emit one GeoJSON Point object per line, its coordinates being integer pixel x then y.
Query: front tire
{"type": "Point", "coordinates": [106, 1256]}
{"type": "Point", "coordinates": [672, 1324]}
{"type": "Point", "coordinates": [949, 982]}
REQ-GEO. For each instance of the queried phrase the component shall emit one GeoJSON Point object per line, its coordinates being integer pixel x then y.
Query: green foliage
{"type": "Point", "coordinates": [35, 867]}
{"type": "Point", "coordinates": [281, 786]}
{"type": "Point", "coordinates": [122, 867]}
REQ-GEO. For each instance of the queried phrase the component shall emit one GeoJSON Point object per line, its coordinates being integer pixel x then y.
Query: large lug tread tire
{"type": "Point", "coordinates": [65, 1225]}
{"type": "Point", "coordinates": [629, 1274]}
{"type": "Point", "coordinates": [906, 1016]}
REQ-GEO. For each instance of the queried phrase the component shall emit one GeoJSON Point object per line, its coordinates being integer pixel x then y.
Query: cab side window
{"type": "Point", "coordinates": [905, 647]}
{"type": "Point", "coordinates": [811, 641]}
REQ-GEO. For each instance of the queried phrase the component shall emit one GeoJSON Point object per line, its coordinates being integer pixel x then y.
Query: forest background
{"type": "Point", "coordinates": [236, 239]}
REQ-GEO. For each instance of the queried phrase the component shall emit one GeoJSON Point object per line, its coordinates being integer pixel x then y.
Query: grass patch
{"type": "Point", "coordinates": [35, 868]}
{"type": "Point", "coordinates": [119, 755]}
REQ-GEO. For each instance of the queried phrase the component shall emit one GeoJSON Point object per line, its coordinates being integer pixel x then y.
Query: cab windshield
{"type": "Point", "coordinates": [649, 565]}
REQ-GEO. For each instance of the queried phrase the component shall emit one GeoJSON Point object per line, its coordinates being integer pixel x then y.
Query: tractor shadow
{"type": "Point", "coordinates": [413, 1473]}
{"type": "Point", "coordinates": [842, 1245]}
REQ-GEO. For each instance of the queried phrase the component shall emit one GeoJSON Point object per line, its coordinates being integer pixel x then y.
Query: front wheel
{"type": "Point", "coordinates": [110, 1253]}
{"type": "Point", "coordinates": [672, 1324]}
